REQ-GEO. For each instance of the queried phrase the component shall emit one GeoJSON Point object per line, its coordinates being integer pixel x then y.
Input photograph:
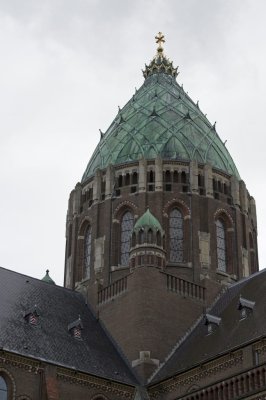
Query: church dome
{"type": "Point", "coordinates": [148, 220]}
{"type": "Point", "coordinates": [161, 120]}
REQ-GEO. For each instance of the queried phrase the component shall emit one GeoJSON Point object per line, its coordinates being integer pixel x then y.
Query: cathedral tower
{"type": "Point", "coordinates": [161, 220]}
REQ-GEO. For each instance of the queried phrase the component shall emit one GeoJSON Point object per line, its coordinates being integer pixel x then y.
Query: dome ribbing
{"type": "Point", "coordinates": [161, 120]}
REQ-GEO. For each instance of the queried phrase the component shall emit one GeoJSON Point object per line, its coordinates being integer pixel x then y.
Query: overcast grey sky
{"type": "Point", "coordinates": [66, 66]}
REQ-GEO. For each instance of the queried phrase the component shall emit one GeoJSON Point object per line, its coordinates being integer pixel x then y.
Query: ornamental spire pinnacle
{"type": "Point", "coordinates": [160, 40]}
{"type": "Point", "coordinates": [160, 64]}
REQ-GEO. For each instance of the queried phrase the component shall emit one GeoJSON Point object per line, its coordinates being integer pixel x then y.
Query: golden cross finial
{"type": "Point", "coordinates": [160, 40]}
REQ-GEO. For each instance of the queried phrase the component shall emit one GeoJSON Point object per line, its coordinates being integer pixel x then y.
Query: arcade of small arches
{"type": "Point", "coordinates": [172, 177]}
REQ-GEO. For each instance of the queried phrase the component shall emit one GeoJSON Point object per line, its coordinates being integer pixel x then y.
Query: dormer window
{"type": "Point", "coordinates": [245, 307]}
{"type": "Point", "coordinates": [77, 332]}
{"type": "Point", "coordinates": [75, 328]}
{"type": "Point", "coordinates": [212, 323]}
{"type": "Point", "coordinates": [32, 316]}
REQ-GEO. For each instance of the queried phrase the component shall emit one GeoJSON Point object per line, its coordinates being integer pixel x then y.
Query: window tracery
{"type": "Point", "coordinates": [127, 224]}
{"type": "Point", "coordinates": [87, 253]}
{"type": "Point", "coordinates": [176, 235]}
{"type": "Point", "coordinates": [221, 245]}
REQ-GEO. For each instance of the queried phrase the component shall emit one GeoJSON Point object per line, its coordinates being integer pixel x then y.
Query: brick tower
{"type": "Point", "coordinates": [160, 222]}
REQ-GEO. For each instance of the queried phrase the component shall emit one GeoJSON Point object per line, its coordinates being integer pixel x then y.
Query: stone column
{"type": "Point", "coordinates": [193, 171]}
{"type": "Point", "coordinates": [109, 182]}
{"type": "Point", "coordinates": [253, 211]}
{"type": "Point", "coordinates": [208, 180]}
{"type": "Point", "coordinates": [76, 199]}
{"type": "Point", "coordinates": [158, 174]}
{"type": "Point", "coordinates": [142, 175]}
{"type": "Point", "coordinates": [235, 191]}
{"type": "Point", "coordinates": [243, 197]}
{"type": "Point", "coordinates": [97, 186]}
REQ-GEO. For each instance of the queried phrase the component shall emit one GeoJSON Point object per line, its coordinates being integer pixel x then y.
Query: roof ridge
{"type": "Point", "coordinates": [39, 280]}
{"type": "Point", "coordinates": [247, 278]}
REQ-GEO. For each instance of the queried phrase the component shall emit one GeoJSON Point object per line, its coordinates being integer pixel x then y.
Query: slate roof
{"type": "Point", "coordinates": [50, 340]}
{"type": "Point", "coordinates": [231, 333]}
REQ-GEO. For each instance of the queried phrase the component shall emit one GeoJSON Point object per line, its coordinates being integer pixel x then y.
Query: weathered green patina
{"type": "Point", "coordinates": [148, 220]}
{"type": "Point", "coordinates": [47, 278]}
{"type": "Point", "coordinates": [161, 120]}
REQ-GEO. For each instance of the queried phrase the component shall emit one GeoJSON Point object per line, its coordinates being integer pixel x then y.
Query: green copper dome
{"type": "Point", "coordinates": [47, 278]}
{"type": "Point", "coordinates": [147, 220]}
{"type": "Point", "coordinates": [161, 120]}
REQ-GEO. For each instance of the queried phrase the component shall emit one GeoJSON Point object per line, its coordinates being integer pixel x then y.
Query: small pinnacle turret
{"type": "Point", "coordinates": [47, 278]}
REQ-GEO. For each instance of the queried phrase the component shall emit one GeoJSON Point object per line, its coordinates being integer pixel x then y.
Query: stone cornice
{"type": "Point", "coordinates": [195, 375]}
{"type": "Point", "coordinates": [18, 361]}
{"type": "Point", "coordinates": [79, 378]}
{"type": "Point", "coordinates": [121, 391]}
{"type": "Point", "coordinates": [260, 346]}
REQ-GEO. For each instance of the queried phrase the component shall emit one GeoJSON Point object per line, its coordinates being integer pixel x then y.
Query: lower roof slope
{"type": "Point", "coordinates": [51, 340]}
{"type": "Point", "coordinates": [232, 332]}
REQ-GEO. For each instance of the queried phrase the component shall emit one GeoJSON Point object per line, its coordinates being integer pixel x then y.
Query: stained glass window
{"type": "Point", "coordinates": [126, 231]}
{"type": "Point", "coordinates": [87, 253]}
{"type": "Point", "coordinates": [176, 235]}
{"type": "Point", "coordinates": [3, 389]}
{"type": "Point", "coordinates": [221, 245]}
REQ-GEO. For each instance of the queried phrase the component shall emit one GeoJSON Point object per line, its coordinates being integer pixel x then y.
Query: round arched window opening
{"type": "Point", "coordinates": [3, 389]}
{"type": "Point", "coordinates": [127, 224]}
{"type": "Point", "coordinates": [176, 235]}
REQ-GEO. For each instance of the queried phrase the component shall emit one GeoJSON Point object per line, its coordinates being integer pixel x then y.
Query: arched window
{"type": "Point", "coordinates": [127, 224]}
{"type": "Point", "coordinates": [141, 236]}
{"type": "Point", "coordinates": [176, 235]}
{"type": "Point", "coordinates": [127, 179]}
{"type": "Point", "coordinates": [150, 239]}
{"type": "Point", "coordinates": [3, 389]}
{"type": "Point", "coordinates": [135, 178]}
{"type": "Point", "coordinates": [183, 177]}
{"type": "Point", "coordinates": [168, 176]}
{"type": "Point", "coordinates": [151, 176]}
{"type": "Point", "coordinates": [221, 245]}
{"type": "Point", "coordinates": [133, 241]}
{"type": "Point", "coordinates": [175, 177]}
{"type": "Point", "coordinates": [158, 238]}
{"type": "Point", "coordinates": [87, 253]}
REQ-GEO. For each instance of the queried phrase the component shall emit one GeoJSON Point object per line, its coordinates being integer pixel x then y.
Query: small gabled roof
{"type": "Point", "coordinates": [75, 324]}
{"type": "Point", "coordinates": [232, 333]}
{"type": "Point", "coordinates": [50, 341]}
